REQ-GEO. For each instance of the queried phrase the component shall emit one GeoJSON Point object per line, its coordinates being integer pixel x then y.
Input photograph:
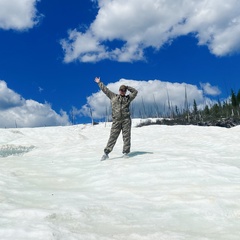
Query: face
{"type": "Point", "coordinates": [122, 92]}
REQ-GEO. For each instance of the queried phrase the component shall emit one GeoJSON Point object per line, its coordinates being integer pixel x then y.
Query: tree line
{"type": "Point", "coordinates": [222, 113]}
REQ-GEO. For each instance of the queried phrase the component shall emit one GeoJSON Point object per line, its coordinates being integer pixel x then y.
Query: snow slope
{"type": "Point", "coordinates": [180, 183]}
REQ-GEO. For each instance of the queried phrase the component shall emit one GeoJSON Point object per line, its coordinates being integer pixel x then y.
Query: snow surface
{"type": "Point", "coordinates": [181, 182]}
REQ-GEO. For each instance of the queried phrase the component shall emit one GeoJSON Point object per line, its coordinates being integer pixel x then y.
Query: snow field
{"type": "Point", "coordinates": [180, 182]}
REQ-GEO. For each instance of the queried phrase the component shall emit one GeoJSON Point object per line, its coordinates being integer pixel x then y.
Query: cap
{"type": "Point", "coordinates": [123, 87]}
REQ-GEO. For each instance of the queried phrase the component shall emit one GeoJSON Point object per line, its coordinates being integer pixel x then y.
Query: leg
{"type": "Point", "coordinates": [115, 131]}
{"type": "Point", "coordinates": [126, 133]}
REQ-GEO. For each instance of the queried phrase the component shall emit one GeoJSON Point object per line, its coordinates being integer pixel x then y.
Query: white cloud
{"type": "Point", "coordinates": [83, 46]}
{"type": "Point", "coordinates": [139, 24]}
{"type": "Point", "coordinates": [16, 111]}
{"type": "Point", "coordinates": [154, 98]}
{"type": "Point", "coordinates": [210, 90]}
{"type": "Point", "coordinates": [18, 14]}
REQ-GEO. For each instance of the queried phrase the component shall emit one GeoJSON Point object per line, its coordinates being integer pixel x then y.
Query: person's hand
{"type": "Point", "coordinates": [97, 79]}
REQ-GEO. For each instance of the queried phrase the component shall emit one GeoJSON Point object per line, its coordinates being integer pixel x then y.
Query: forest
{"type": "Point", "coordinates": [222, 114]}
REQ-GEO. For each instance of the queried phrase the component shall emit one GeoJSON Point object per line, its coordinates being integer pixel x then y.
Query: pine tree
{"type": "Point", "coordinates": [215, 111]}
{"type": "Point", "coordinates": [234, 99]}
{"type": "Point", "coordinates": [238, 98]}
{"type": "Point", "coordinates": [195, 109]}
{"type": "Point", "coordinates": [206, 110]}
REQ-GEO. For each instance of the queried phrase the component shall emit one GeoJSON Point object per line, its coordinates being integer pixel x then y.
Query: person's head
{"type": "Point", "coordinates": [122, 90]}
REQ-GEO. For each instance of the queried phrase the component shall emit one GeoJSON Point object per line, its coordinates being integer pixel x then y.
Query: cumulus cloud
{"type": "Point", "coordinates": [138, 24]}
{"type": "Point", "coordinates": [17, 111]}
{"type": "Point", "coordinates": [18, 14]}
{"type": "Point", "coordinates": [155, 98]}
{"type": "Point", "coordinates": [210, 90]}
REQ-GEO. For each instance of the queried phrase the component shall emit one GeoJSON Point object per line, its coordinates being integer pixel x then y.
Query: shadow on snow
{"type": "Point", "coordinates": [137, 153]}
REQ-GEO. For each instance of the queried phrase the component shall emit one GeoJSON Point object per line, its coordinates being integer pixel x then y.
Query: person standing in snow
{"type": "Point", "coordinates": [121, 119]}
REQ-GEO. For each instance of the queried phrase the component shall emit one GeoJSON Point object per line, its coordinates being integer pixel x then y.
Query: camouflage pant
{"type": "Point", "coordinates": [118, 126]}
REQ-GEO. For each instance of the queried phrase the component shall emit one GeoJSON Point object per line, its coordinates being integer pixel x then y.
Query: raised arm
{"type": "Point", "coordinates": [109, 93]}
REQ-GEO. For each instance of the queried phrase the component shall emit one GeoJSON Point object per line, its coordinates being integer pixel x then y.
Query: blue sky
{"type": "Point", "coordinates": [51, 52]}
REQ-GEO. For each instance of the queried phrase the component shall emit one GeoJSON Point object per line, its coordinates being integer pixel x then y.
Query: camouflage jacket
{"type": "Point", "coordinates": [120, 104]}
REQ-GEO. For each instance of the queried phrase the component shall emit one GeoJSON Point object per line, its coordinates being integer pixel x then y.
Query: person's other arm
{"type": "Point", "coordinates": [133, 92]}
